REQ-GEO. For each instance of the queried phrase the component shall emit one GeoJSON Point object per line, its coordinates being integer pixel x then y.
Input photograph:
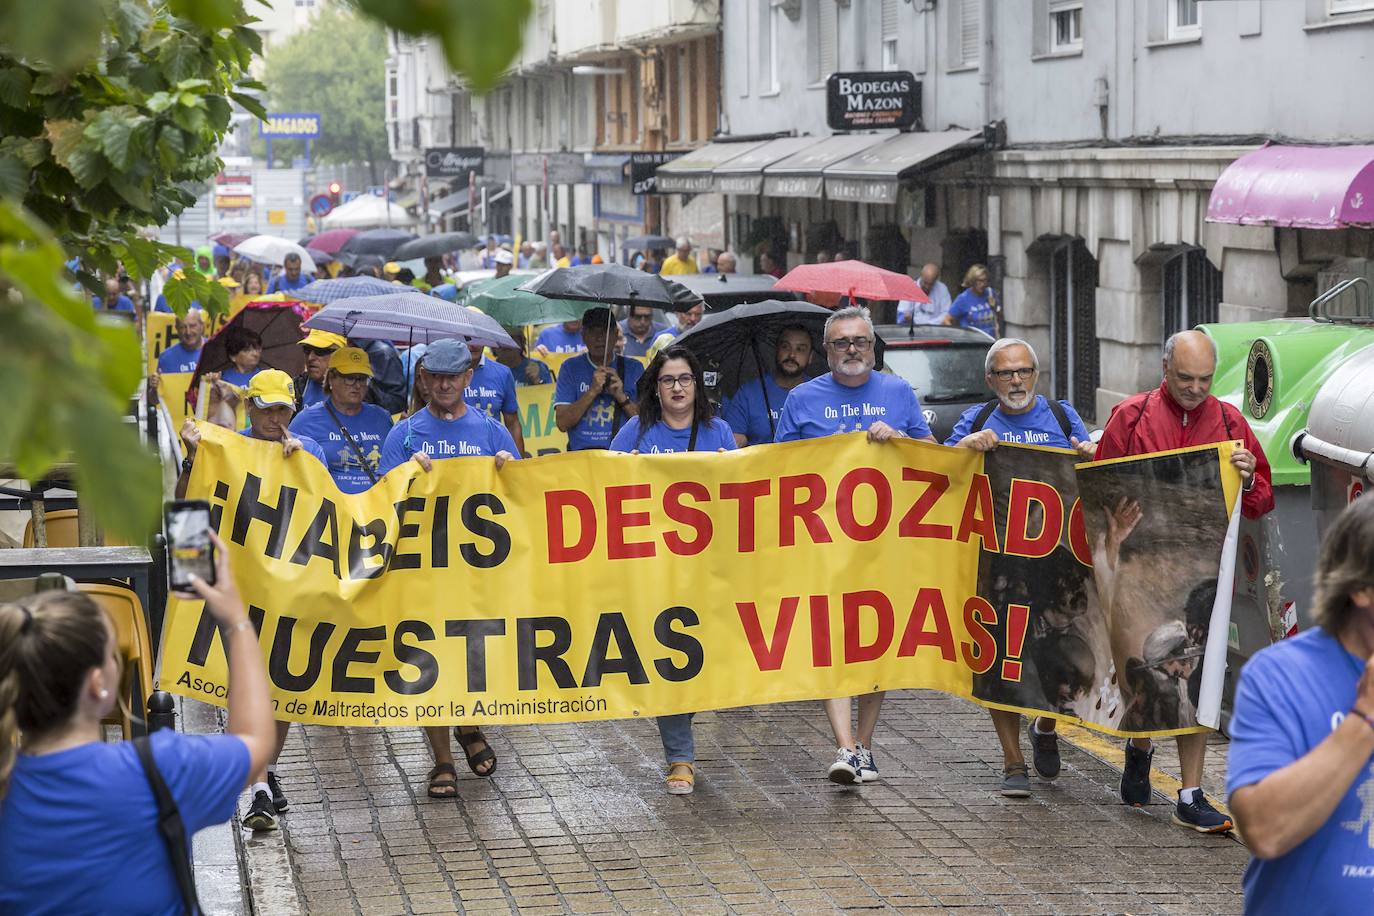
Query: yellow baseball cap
{"type": "Point", "coordinates": [271, 388]}
{"type": "Point", "coordinates": [324, 340]}
{"type": "Point", "coordinates": [391, 267]}
{"type": "Point", "coordinates": [229, 282]}
{"type": "Point", "coordinates": [350, 361]}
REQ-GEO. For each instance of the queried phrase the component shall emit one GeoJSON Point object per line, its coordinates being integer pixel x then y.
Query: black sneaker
{"type": "Point", "coordinates": [1044, 752]}
{"type": "Point", "coordinates": [1201, 816]}
{"type": "Point", "coordinates": [1135, 778]}
{"type": "Point", "coordinates": [261, 815]}
{"type": "Point", "coordinates": [278, 796]}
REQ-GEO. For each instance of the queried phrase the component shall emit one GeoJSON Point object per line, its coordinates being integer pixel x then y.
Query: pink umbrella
{"type": "Point", "coordinates": [331, 240]}
{"type": "Point", "coordinates": [854, 279]}
{"type": "Point", "coordinates": [230, 239]}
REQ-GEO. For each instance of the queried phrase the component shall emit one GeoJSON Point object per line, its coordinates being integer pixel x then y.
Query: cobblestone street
{"type": "Point", "coordinates": [576, 821]}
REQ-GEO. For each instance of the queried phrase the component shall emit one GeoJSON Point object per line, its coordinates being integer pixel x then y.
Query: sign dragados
{"type": "Point", "coordinates": [593, 585]}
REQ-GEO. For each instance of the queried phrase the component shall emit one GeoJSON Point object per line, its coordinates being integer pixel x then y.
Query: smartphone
{"type": "Point", "coordinates": [188, 542]}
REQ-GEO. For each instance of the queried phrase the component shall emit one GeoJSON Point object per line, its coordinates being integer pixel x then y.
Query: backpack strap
{"type": "Point", "coordinates": [619, 419]}
{"type": "Point", "coordinates": [981, 418]}
{"type": "Point", "coordinates": [1062, 417]}
{"type": "Point", "coordinates": [348, 437]}
{"type": "Point", "coordinates": [170, 826]}
{"type": "Point", "coordinates": [692, 439]}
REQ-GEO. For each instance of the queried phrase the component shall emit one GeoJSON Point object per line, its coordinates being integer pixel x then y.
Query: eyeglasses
{"type": "Point", "coordinates": [1007, 375]}
{"type": "Point", "coordinates": [317, 351]}
{"type": "Point", "coordinates": [842, 344]}
{"type": "Point", "coordinates": [356, 379]}
{"type": "Point", "coordinates": [668, 381]}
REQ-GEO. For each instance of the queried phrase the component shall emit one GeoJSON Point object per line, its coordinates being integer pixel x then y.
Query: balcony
{"type": "Point", "coordinates": [645, 21]}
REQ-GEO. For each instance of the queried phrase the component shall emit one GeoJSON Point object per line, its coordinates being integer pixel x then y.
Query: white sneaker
{"type": "Point", "coordinates": [845, 769]}
{"type": "Point", "coordinates": [868, 770]}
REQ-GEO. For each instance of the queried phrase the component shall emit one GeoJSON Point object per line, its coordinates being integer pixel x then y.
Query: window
{"type": "Point", "coordinates": [965, 33]}
{"type": "Point", "coordinates": [1183, 19]}
{"type": "Point", "coordinates": [1073, 332]}
{"type": "Point", "coordinates": [769, 25]}
{"type": "Point", "coordinates": [822, 41]}
{"type": "Point", "coordinates": [1066, 27]}
{"type": "Point", "coordinates": [1339, 7]}
{"type": "Point", "coordinates": [1191, 292]}
{"type": "Point", "coordinates": [889, 34]}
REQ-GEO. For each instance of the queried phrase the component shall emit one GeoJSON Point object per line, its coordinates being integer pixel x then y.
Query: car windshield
{"type": "Point", "coordinates": [942, 372]}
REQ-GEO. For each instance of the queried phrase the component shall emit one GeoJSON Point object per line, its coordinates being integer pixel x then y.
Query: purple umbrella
{"type": "Point", "coordinates": [408, 316]}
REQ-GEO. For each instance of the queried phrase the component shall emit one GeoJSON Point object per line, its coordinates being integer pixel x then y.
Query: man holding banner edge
{"type": "Point", "coordinates": [1179, 413]}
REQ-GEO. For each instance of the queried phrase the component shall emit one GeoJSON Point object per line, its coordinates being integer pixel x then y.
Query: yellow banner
{"type": "Point", "coordinates": [542, 436]}
{"type": "Point", "coordinates": [596, 585]}
{"type": "Point", "coordinates": [172, 392]}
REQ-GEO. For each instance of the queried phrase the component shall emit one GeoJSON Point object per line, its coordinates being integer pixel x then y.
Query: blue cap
{"type": "Point", "coordinates": [446, 291]}
{"type": "Point", "coordinates": [447, 357]}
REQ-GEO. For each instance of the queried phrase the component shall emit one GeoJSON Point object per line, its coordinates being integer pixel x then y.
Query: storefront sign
{"type": "Point", "coordinates": [233, 192]}
{"type": "Point", "coordinates": [300, 125]}
{"type": "Point", "coordinates": [606, 169]}
{"type": "Point", "coordinates": [866, 191]}
{"type": "Point", "coordinates": [453, 161]}
{"type": "Point", "coordinates": [686, 184]}
{"type": "Point", "coordinates": [740, 184]}
{"type": "Point", "coordinates": [643, 167]}
{"type": "Point", "coordinates": [865, 100]}
{"type": "Point", "coordinates": [556, 168]}
{"type": "Point", "coordinates": [792, 185]}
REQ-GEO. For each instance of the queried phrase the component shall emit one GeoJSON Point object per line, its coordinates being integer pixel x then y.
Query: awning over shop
{"type": "Point", "coordinates": [744, 173]}
{"type": "Point", "coordinates": [1300, 187]}
{"type": "Point", "coordinates": [606, 169]}
{"type": "Point", "coordinates": [802, 173]}
{"type": "Point", "coordinates": [694, 172]}
{"type": "Point", "coordinates": [451, 202]}
{"type": "Point", "coordinates": [873, 176]}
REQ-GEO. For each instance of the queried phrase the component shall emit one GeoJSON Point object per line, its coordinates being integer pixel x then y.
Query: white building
{"type": "Point", "coordinates": [1110, 121]}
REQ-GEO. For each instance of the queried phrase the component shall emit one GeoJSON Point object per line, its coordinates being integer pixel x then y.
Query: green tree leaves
{"type": "Point", "coordinates": [480, 38]}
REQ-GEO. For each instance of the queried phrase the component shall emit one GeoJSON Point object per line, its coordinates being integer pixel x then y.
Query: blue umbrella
{"type": "Point", "coordinates": [327, 291]}
{"type": "Point", "coordinates": [408, 316]}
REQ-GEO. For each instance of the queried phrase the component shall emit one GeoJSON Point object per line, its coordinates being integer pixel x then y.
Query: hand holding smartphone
{"type": "Point", "coordinates": [189, 547]}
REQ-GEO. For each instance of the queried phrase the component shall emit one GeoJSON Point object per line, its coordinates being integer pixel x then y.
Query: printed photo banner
{"type": "Point", "coordinates": [597, 586]}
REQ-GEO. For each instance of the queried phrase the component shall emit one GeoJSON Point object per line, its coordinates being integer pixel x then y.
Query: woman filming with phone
{"type": "Point", "coordinates": [78, 816]}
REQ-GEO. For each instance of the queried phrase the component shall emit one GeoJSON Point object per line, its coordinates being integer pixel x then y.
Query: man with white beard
{"type": "Point", "coordinates": [1020, 415]}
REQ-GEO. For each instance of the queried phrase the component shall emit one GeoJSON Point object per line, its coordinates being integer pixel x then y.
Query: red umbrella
{"type": "Point", "coordinates": [231, 239]}
{"type": "Point", "coordinates": [331, 240]}
{"type": "Point", "coordinates": [854, 279]}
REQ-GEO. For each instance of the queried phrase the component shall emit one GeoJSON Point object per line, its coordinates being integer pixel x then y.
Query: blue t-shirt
{"type": "Point", "coordinates": [280, 283]}
{"type": "Point", "coordinates": [1036, 426]}
{"type": "Point", "coordinates": [492, 390]}
{"type": "Point", "coordinates": [177, 358]}
{"type": "Point", "coordinates": [309, 445]}
{"type": "Point", "coordinates": [545, 374]}
{"type": "Point", "coordinates": [122, 304]}
{"type": "Point", "coordinates": [368, 429]}
{"type": "Point", "coordinates": [594, 429]}
{"type": "Point", "coordinates": [824, 407]}
{"type": "Point", "coordinates": [661, 438]}
{"type": "Point", "coordinates": [1292, 695]}
{"type": "Point", "coordinates": [474, 433]}
{"type": "Point", "coordinates": [235, 377]}
{"type": "Point", "coordinates": [313, 393]}
{"type": "Point", "coordinates": [970, 311]}
{"type": "Point", "coordinates": [746, 413]}
{"type": "Point", "coordinates": [78, 828]}
{"type": "Point", "coordinates": [557, 339]}
{"type": "Point", "coordinates": [161, 304]}
{"type": "Point", "coordinates": [633, 346]}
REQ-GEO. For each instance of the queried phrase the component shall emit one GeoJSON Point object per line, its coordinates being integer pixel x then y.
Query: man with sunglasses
{"type": "Point", "coordinates": [318, 346]}
{"type": "Point", "coordinates": [350, 431]}
{"type": "Point", "coordinates": [851, 397]}
{"type": "Point", "coordinates": [1020, 415]}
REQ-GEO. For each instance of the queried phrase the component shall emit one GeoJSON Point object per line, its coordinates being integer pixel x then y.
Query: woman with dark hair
{"type": "Point", "coordinates": [675, 415]}
{"type": "Point", "coordinates": [78, 820]}
{"type": "Point", "coordinates": [244, 348]}
{"type": "Point", "coordinates": [1301, 764]}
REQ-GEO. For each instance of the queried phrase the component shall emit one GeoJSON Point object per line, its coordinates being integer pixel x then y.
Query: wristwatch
{"type": "Point", "coordinates": [186, 465]}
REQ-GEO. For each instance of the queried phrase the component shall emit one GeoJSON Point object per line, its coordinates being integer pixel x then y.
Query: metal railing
{"type": "Point", "coordinates": [1325, 308]}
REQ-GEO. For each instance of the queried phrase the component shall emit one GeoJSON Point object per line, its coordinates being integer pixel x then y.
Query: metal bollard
{"type": "Point", "coordinates": [162, 711]}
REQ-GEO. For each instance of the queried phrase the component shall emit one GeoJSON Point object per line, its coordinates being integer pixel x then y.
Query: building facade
{"type": "Point", "coordinates": [1107, 124]}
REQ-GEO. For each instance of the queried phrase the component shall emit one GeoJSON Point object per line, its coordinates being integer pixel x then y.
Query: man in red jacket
{"type": "Point", "coordinates": [1179, 413]}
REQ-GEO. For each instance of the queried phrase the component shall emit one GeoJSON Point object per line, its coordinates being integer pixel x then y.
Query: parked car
{"type": "Point", "coordinates": [943, 365]}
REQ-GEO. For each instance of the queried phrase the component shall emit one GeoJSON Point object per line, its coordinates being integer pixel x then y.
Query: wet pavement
{"type": "Point", "coordinates": [576, 821]}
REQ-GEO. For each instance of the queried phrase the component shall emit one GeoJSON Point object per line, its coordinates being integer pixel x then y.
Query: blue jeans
{"type": "Point", "coordinates": [676, 732]}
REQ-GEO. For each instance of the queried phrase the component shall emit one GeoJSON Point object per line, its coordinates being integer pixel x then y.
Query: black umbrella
{"type": "Point", "coordinates": [434, 246]}
{"type": "Point", "coordinates": [739, 344]}
{"type": "Point", "coordinates": [360, 261]}
{"type": "Point", "coordinates": [382, 242]}
{"type": "Point", "coordinates": [278, 325]}
{"type": "Point", "coordinates": [612, 284]}
{"type": "Point", "coordinates": [648, 243]}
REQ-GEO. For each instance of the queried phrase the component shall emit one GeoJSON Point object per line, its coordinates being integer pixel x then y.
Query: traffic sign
{"type": "Point", "coordinates": [321, 204]}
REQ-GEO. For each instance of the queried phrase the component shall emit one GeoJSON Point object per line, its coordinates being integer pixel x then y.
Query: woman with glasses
{"type": "Point", "coordinates": [675, 416]}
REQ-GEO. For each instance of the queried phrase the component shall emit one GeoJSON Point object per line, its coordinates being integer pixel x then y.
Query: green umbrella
{"type": "Point", "coordinates": [502, 300]}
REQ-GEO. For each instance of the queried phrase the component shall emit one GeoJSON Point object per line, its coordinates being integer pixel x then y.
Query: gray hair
{"type": "Point", "coordinates": [850, 311]}
{"type": "Point", "coordinates": [1344, 565]}
{"type": "Point", "coordinates": [1172, 342]}
{"type": "Point", "coordinates": [1001, 345]}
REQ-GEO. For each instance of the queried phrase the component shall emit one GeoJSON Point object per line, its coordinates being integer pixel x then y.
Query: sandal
{"type": "Point", "coordinates": [681, 779]}
{"type": "Point", "coordinates": [443, 781]}
{"type": "Point", "coordinates": [475, 759]}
